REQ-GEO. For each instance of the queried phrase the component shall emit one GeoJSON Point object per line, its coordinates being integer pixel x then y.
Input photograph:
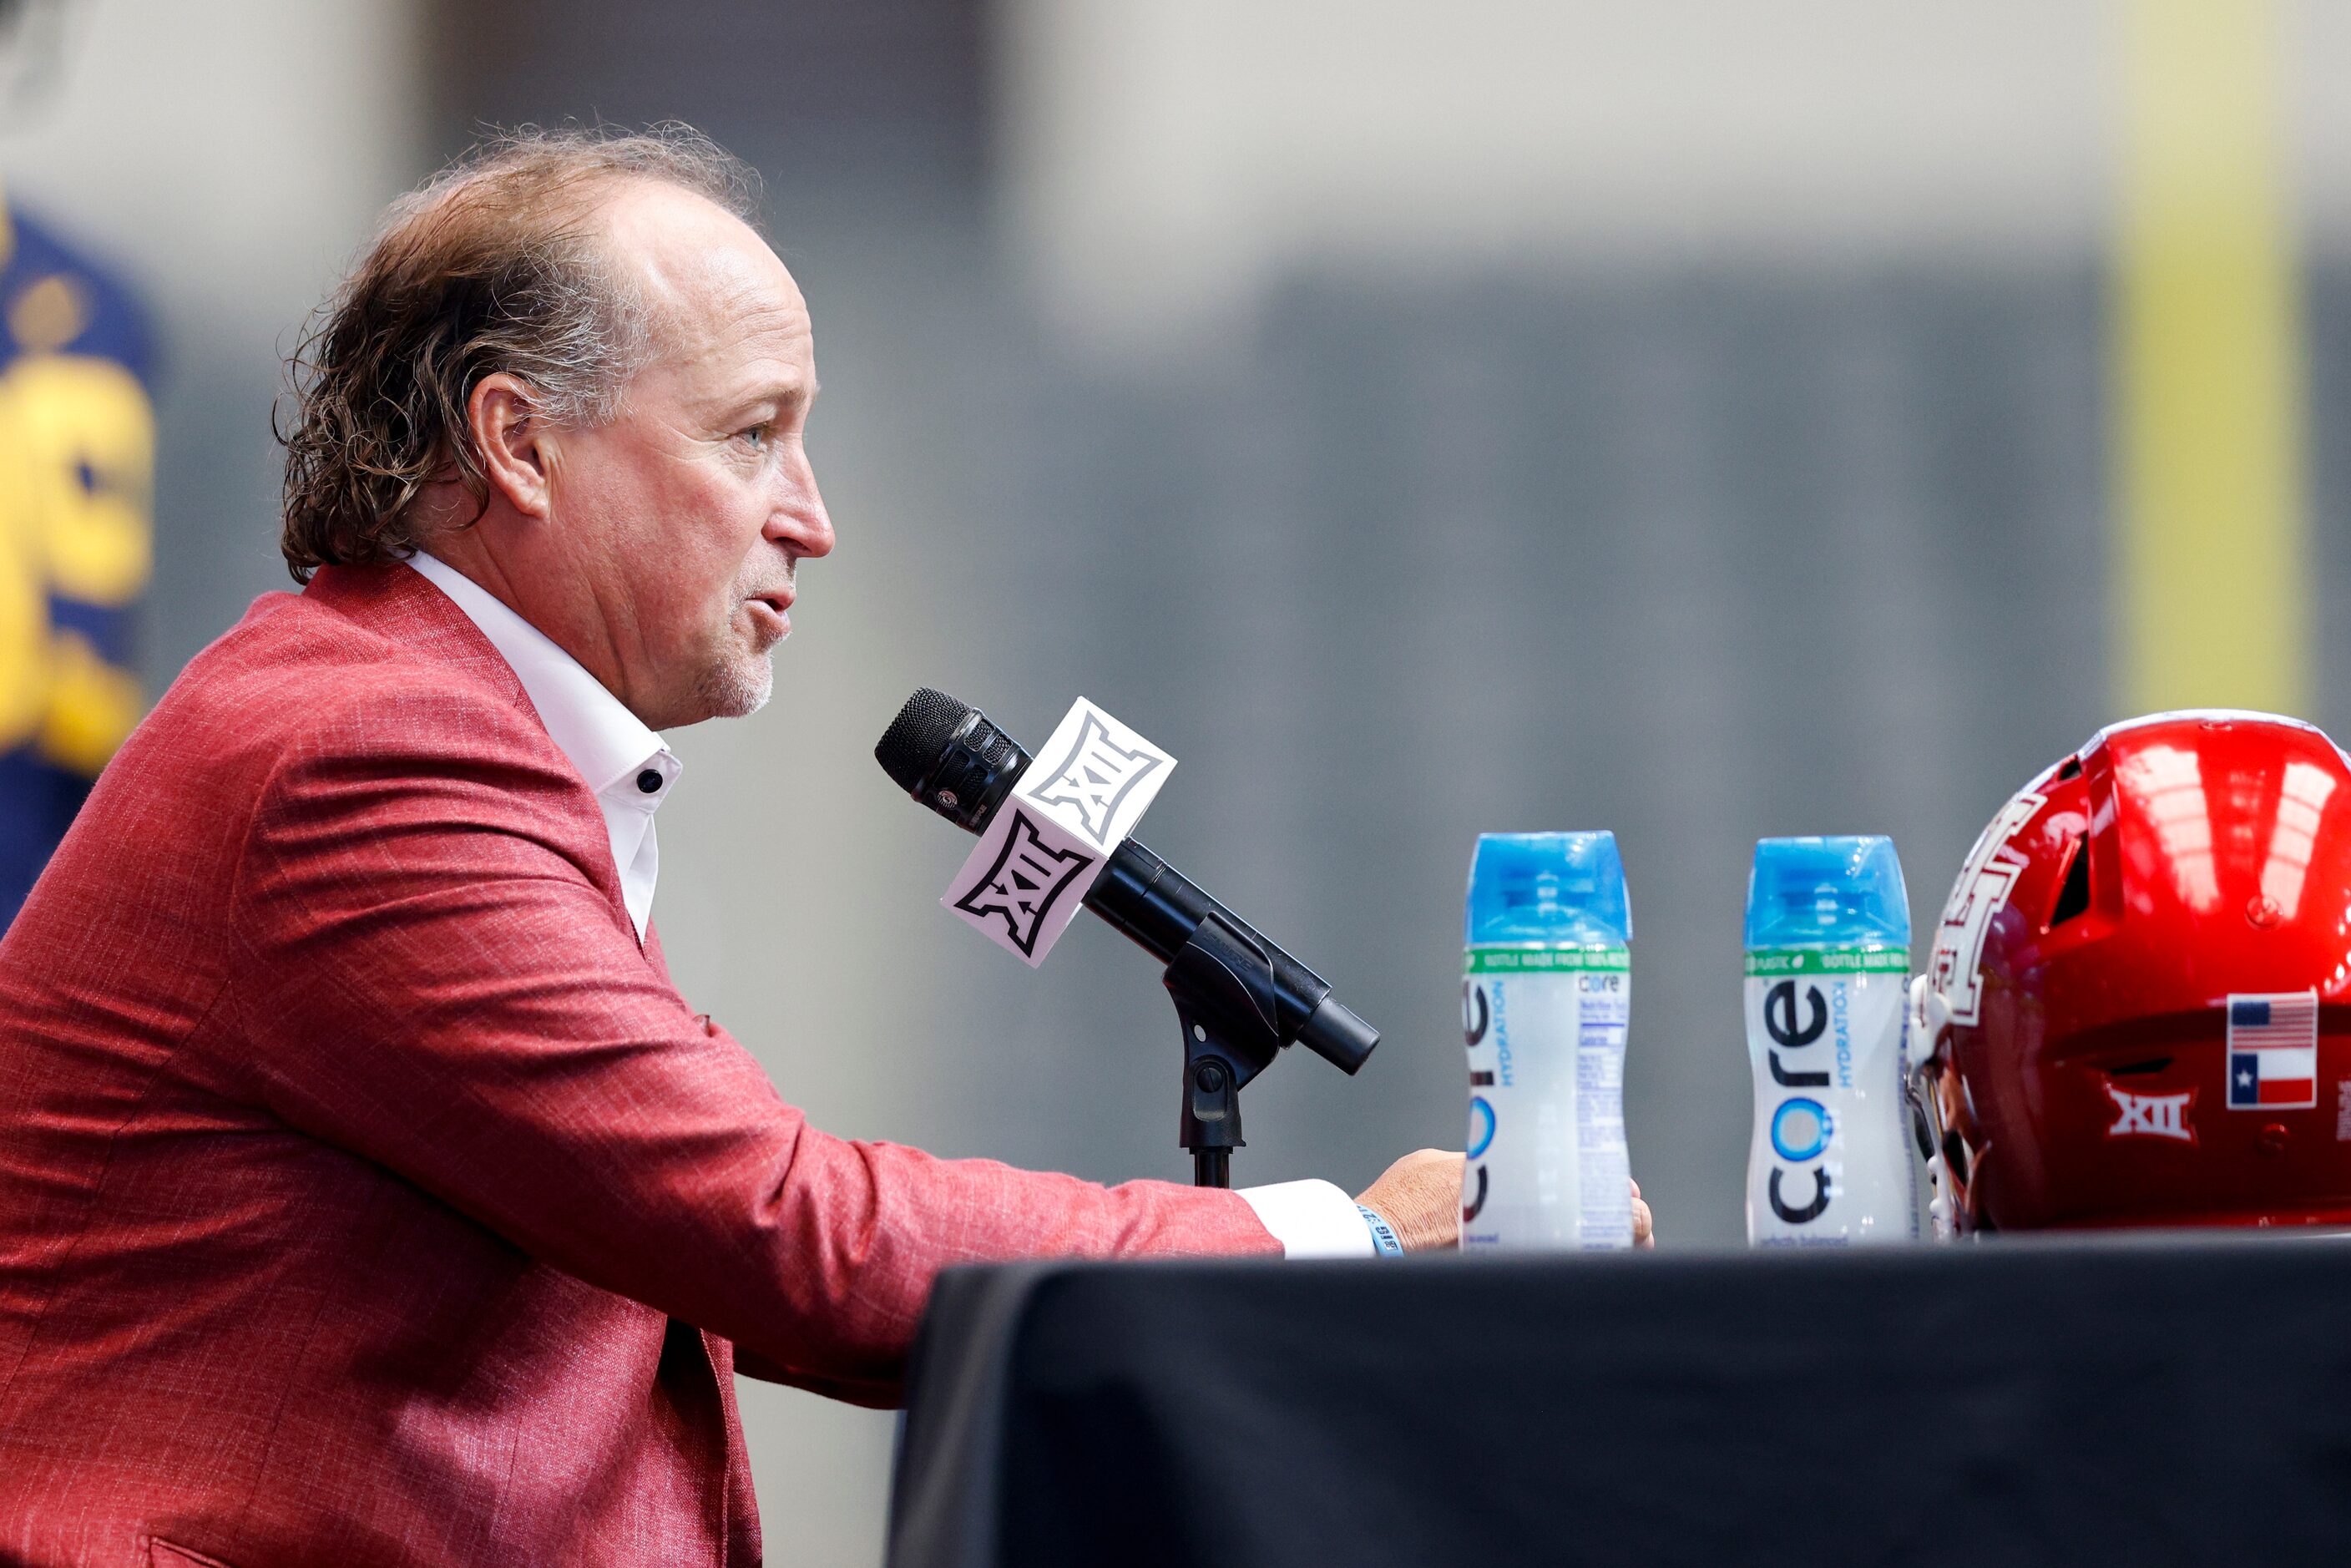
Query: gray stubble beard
{"type": "Point", "coordinates": [733, 690]}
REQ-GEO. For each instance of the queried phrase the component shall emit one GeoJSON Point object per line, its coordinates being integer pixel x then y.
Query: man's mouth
{"type": "Point", "coordinates": [771, 611]}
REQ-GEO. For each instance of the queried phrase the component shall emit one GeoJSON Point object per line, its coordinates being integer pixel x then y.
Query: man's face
{"type": "Point", "coordinates": [696, 503]}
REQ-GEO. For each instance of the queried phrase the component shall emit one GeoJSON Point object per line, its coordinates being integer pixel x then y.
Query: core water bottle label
{"type": "Point", "coordinates": [1831, 1163]}
{"type": "Point", "coordinates": [1546, 1029]}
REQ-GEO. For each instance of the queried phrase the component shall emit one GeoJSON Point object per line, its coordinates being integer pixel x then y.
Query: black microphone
{"type": "Point", "coordinates": [947, 756]}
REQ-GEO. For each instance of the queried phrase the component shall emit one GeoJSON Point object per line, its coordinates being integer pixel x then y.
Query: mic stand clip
{"type": "Point", "coordinates": [1223, 988]}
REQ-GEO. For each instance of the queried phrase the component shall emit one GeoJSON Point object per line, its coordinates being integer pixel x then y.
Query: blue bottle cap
{"type": "Point", "coordinates": [1827, 892]}
{"type": "Point", "coordinates": [1567, 889]}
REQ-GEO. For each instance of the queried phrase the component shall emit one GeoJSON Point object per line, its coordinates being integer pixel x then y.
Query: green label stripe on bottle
{"type": "Point", "coordinates": [1545, 960]}
{"type": "Point", "coordinates": [1828, 961]}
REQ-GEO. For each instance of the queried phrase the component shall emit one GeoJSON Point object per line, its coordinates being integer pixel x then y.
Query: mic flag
{"type": "Point", "coordinates": [1075, 804]}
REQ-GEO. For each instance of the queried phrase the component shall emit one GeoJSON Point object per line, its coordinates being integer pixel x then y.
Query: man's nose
{"type": "Point", "coordinates": [799, 522]}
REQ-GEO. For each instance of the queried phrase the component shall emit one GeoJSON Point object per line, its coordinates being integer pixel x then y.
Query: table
{"type": "Point", "coordinates": [2010, 1402]}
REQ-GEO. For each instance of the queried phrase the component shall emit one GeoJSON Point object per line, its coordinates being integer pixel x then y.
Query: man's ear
{"type": "Point", "coordinates": [512, 436]}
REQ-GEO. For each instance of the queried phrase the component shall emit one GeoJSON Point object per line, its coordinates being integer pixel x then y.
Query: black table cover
{"type": "Point", "coordinates": [2086, 1402]}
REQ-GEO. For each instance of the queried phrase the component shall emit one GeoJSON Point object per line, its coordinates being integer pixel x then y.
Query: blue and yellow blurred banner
{"type": "Point", "coordinates": [2211, 543]}
{"type": "Point", "coordinates": [77, 482]}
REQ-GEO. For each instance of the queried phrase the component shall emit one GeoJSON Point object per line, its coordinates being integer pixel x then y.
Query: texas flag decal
{"type": "Point", "coordinates": [2273, 1052]}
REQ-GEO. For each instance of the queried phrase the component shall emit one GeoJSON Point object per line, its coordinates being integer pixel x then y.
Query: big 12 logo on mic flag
{"type": "Point", "coordinates": [1075, 805]}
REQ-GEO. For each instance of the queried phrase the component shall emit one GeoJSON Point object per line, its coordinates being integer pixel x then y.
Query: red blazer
{"type": "Point", "coordinates": [369, 1195]}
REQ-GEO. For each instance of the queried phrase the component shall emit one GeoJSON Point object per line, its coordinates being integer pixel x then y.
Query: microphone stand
{"type": "Point", "coordinates": [1226, 1000]}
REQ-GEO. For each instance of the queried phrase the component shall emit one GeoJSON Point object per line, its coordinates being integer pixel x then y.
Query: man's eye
{"type": "Point", "coordinates": [756, 437]}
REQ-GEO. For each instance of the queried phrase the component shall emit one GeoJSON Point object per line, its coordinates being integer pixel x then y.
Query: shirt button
{"type": "Point", "coordinates": [650, 781]}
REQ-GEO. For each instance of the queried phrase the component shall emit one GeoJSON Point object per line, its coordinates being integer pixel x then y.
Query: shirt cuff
{"type": "Point", "coordinates": [1311, 1220]}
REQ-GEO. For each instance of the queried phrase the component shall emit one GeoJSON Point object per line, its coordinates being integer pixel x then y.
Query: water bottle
{"type": "Point", "coordinates": [1828, 959]}
{"type": "Point", "coordinates": [1545, 994]}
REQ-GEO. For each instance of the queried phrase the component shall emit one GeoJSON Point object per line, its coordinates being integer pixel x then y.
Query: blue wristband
{"type": "Point", "coordinates": [1386, 1242]}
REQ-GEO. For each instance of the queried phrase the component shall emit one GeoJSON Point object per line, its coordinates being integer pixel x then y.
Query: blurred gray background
{"type": "Point", "coordinates": [1528, 414]}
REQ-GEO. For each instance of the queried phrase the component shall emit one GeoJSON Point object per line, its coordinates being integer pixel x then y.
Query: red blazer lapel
{"type": "Point", "coordinates": [396, 603]}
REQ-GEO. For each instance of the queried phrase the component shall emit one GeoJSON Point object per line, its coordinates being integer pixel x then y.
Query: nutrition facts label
{"type": "Point", "coordinates": [1603, 1167]}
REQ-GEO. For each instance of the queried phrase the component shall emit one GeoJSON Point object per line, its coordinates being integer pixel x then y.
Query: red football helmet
{"type": "Point", "coordinates": [2138, 1006]}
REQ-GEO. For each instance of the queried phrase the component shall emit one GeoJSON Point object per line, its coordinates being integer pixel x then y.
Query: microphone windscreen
{"type": "Point", "coordinates": [913, 744]}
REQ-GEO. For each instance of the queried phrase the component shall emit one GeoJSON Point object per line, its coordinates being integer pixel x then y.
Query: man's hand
{"type": "Point", "coordinates": [1420, 1195]}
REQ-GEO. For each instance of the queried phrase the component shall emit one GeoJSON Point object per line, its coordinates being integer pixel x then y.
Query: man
{"type": "Point", "coordinates": [367, 1194]}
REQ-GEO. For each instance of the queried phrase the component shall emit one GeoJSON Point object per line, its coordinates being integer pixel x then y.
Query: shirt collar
{"type": "Point", "coordinates": [604, 740]}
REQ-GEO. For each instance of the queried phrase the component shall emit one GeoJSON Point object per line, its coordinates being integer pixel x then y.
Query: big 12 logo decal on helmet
{"type": "Point", "coordinates": [2152, 1115]}
{"type": "Point", "coordinates": [1985, 882]}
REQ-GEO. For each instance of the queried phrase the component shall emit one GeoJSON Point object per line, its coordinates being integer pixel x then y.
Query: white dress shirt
{"type": "Point", "coordinates": [630, 771]}
{"type": "Point", "coordinates": [625, 765]}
